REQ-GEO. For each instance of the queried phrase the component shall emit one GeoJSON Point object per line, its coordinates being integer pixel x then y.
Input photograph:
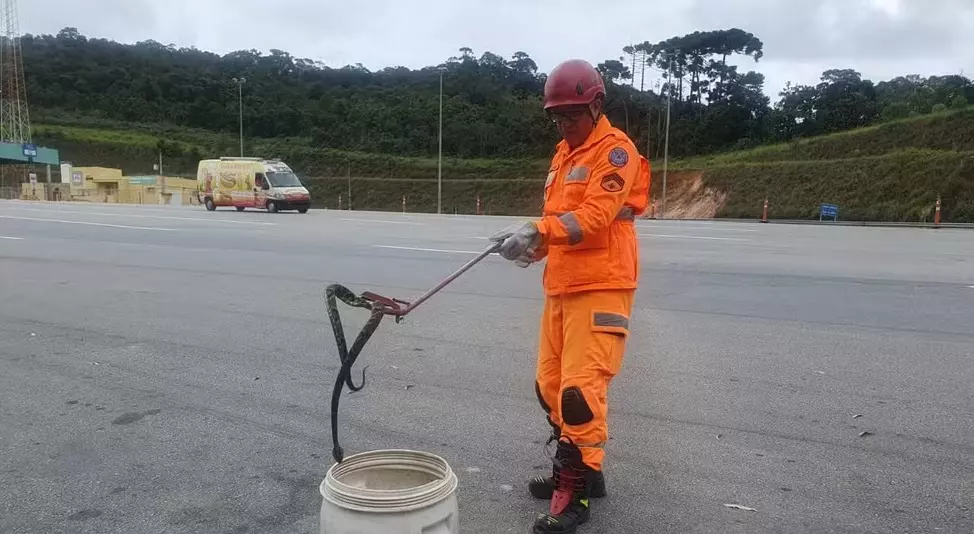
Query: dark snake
{"type": "Point", "coordinates": [348, 357]}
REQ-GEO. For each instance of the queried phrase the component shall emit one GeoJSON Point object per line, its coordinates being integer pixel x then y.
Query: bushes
{"type": "Point", "coordinates": [902, 186]}
{"type": "Point", "coordinates": [891, 172]}
{"type": "Point", "coordinates": [498, 197]}
{"type": "Point", "coordinates": [136, 150]}
{"type": "Point", "coordinates": [951, 131]}
{"type": "Point", "coordinates": [337, 163]}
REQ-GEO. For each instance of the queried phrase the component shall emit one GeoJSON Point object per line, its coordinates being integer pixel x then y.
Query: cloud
{"type": "Point", "coordinates": [880, 38]}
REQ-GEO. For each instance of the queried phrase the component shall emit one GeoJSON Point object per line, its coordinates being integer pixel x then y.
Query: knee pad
{"type": "Point", "coordinates": [574, 408]}
{"type": "Point", "coordinates": [537, 391]}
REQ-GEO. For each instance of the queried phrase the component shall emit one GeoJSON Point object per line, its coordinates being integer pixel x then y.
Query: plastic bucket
{"type": "Point", "coordinates": [390, 491]}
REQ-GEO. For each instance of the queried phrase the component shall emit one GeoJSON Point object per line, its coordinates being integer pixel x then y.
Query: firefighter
{"type": "Point", "coordinates": [597, 184]}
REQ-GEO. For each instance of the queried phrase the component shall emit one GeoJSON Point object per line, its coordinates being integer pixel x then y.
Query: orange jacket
{"type": "Point", "coordinates": [592, 197]}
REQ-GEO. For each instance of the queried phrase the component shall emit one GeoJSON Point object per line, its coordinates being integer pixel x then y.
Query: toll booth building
{"type": "Point", "coordinates": [30, 165]}
{"type": "Point", "coordinates": [110, 186]}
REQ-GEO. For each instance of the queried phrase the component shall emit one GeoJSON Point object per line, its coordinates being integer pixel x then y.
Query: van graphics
{"type": "Point", "coordinates": [228, 180]}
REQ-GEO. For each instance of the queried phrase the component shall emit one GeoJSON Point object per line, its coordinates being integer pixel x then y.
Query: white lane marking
{"type": "Point", "coordinates": [669, 236]}
{"type": "Point", "coordinates": [970, 287]}
{"type": "Point", "coordinates": [89, 223]}
{"type": "Point", "coordinates": [85, 212]}
{"type": "Point", "coordinates": [383, 221]}
{"type": "Point", "coordinates": [711, 227]}
{"type": "Point", "coordinates": [432, 250]}
{"type": "Point", "coordinates": [11, 238]}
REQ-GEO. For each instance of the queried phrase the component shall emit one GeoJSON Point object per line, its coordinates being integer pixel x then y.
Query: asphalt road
{"type": "Point", "coordinates": [169, 370]}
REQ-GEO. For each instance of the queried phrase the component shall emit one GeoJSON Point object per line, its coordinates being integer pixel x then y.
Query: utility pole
{"type": "Point", "coordinates": [666, 144]}
{"type": "Point", "coordinates": [162, 177]}
{"type": "Point", "coordinates": [642, 77]}
{"type": "Point", "coordinates": [439, 162]}
{"type": "Point", "coordinates": [350, 185]}
{"type": "Point", "coordinates": [633, 48]}
{"type": "Point", "coordinates": [649, 132]}
{"type": "Point", "coordinates": [240, 82]}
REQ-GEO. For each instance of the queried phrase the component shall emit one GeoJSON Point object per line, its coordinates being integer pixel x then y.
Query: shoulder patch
{"type": "Point", "coordinates": [613, 183]}
{"type": "Point", "coordinates": [618, 157]}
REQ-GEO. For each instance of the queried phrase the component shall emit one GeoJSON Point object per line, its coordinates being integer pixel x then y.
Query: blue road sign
{"type": "Point", "coordinates": [828, 211]}
{"type": "Point", "coordinates": [30, 150]}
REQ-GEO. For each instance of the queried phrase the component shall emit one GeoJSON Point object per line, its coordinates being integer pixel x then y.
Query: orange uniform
{"type": "Point", "coordinates": [592, 196]}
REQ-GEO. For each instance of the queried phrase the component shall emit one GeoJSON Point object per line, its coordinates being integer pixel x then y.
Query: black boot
{"type": "Point", "coordinates": [543, 487]}
{"type": "Point", "coordinates": [569, 506]}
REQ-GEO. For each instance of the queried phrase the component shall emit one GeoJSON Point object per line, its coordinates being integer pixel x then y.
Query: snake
{"type": "Point", "coordinates": [347, 356]}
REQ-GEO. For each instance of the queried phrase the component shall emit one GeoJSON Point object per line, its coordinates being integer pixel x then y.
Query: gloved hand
{"type": "Point", "coordinates": [525, 260]}
{"type": "Point", "coordinates": [519, 245]}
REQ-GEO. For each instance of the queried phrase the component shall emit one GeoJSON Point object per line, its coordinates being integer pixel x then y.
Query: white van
{"type": "Point", "coordinates": [250, 183]}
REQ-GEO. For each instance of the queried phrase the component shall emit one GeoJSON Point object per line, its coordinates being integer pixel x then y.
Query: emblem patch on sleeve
{"type": "Point", "coordinates": [613, 183]}
{"type": "Point", "coordinates": [618, 157]}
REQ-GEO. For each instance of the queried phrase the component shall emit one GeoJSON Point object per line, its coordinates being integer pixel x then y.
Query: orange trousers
{"type": "Point", "coordinates": [583, 338]}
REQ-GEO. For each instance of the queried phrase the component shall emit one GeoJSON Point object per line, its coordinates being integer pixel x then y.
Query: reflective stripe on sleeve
{"type": "Point", "coordinates": [573, 227]}
{"type": "Point", "coordinates": [627, 213]}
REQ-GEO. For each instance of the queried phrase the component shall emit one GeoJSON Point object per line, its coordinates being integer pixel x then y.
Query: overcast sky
{"type": "Point", "coordinates": [879, 38]}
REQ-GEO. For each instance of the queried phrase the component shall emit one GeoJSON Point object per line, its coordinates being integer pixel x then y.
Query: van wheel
{"type": "Point", "coordinates": [271, 207]}
{"type": "Point", "coordinates": [240, 208]}
{"type": "Point", "coordinates": [302, 210]}
{"type": "Point", "coordinates": [210, 206]}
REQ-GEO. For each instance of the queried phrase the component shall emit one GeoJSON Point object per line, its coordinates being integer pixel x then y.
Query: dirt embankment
{"type": "Point", "coordinates": [686, 196]}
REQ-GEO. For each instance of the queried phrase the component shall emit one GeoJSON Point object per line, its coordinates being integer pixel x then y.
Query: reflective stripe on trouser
{"type": "Point", "coordinates": [582, 341]}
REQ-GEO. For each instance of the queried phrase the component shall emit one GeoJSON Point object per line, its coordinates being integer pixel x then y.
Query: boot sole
{"type": "Point", "coordinates": [543, 491]}
{"type": "Point", "coordinates": [581, 521]}
{"type": "Point", "coordinates": [547, 496]}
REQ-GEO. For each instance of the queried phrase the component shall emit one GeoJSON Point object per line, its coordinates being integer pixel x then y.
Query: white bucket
{"type": "Point", "coordinates": [390, 492]}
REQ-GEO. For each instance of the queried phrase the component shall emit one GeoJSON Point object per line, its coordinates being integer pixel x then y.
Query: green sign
{"type": "Point", "coordinates": [24, 152]}
{"type": "Point", "coordinates": [142, 180]}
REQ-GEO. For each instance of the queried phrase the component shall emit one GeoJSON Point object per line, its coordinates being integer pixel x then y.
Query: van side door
{"type": "Point", "coordinates": [261, 187]}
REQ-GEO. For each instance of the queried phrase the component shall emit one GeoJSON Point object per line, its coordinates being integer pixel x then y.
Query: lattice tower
{"type": "Point", "coordinates": [14, 115]}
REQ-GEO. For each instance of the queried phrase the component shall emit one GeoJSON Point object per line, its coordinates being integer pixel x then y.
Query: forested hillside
{"type": "Point", "coordinates": [492, 104]}
{"type": "Point", "coordinates": [882, 150]}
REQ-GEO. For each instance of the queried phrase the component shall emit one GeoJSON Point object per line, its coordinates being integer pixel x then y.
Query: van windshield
{"type": "Point", "coordinates": [283, 179]}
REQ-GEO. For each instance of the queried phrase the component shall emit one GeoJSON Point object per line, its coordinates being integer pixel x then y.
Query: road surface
{"type": "Point", "coordinates": [169, 370]}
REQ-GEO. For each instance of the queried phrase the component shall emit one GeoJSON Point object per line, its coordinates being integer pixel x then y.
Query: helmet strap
{"type": "Point", "coordinates": [597, 116]}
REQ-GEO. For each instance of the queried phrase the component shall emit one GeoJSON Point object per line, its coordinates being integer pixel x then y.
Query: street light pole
{"type": "Point", "coordinates": [439, 162]}
{"type": "Point", "coordinates": [240, 82]}
{"type": "Point", "coordinates": [666, 149]}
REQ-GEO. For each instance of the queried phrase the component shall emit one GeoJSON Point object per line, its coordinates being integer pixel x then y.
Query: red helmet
{"type": "Point", "coordinates": [573, 82]}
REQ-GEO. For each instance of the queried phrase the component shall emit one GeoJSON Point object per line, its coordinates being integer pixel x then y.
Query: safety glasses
{"type": "Point", "coordinates": [570, 115]}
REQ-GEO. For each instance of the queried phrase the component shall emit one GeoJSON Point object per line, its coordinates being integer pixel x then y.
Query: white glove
{"type": "Point", "coordinates": [525, 260]}
{"type": "Point", "coordinates": [518, 246]}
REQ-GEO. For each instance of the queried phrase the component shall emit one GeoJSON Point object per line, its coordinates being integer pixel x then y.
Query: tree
{"type": "Point", "coordinates": [522, 63]}
{"type": "Point", "coordinates": [845, 100]}
{"type": "Point", "coordinates": [613, 70]}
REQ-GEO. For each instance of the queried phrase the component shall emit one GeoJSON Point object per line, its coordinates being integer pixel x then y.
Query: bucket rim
{"type": "Point", "coordinates": [396, 500]}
